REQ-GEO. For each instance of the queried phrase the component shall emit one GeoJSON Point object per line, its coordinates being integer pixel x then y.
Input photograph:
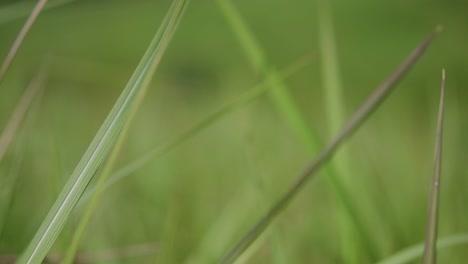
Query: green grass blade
{"type": "Point", "coordinates": [414, 252]}
{"type": "Point", "coordinates": [169, 25]}
{"type": "Point", "coordinates": [359, 116]}
{"type": "Point", "coordinates": [258, 62]}
{"type": "Point", "coordinates": [102, 143]}
{"type": "Point", "coordinates": [19, 39]}
{"type": "Point", "coordinates": [229, 107]}
{"type": "Point", "coordinates": [333, 91]}
{"type": "Point", "coordinates": [430, 252]}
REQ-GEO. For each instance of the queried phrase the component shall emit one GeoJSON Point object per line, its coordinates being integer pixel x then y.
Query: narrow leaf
{"type": "Point", "coordinates": [103, 141]}
{"type": "Point", "coordinates": [432, 217]}
{"type": "Point", "coordinates": [361, 114]}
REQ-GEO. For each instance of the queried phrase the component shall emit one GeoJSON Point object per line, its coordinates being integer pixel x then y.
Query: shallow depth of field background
{"type": "Point", "coordinates": [197, 200]}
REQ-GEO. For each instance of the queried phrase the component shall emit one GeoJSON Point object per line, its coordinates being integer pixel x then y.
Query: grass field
{"type": "Point", "coordinates": [245, 96]}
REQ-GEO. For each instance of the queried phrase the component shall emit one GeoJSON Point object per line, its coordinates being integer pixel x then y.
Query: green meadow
{"type": "Point", "coordinates": [175, 132]}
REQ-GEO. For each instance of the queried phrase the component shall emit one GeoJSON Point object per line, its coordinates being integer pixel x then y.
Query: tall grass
{"type": "Point", "coordinates": [359, 116]}
{"type": "Point", "coordinates": [101, 158]}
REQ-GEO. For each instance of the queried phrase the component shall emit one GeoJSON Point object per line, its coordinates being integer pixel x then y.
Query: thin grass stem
{"type": "Point", "coordinates": [430, 251]}
{"type": "Point", "coordinates": [20, 38]}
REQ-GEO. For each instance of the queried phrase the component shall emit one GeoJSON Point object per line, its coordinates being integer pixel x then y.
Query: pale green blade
{"type": "Point", "coordinates": [103, 141]}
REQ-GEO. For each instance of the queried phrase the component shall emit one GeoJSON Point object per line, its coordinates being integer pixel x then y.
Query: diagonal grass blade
{"type": "Point", "coordinates": [104, 139]}
{"type": "Point", "coordinates": [361, 114]}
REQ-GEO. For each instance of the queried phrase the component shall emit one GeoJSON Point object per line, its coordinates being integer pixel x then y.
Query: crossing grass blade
{"type": "Point", "coordinates": [258, 62]}
{"type": "Point", "coordinates": [357, 119]}
{"type": "Point", "coordinates": [430, 251]}
{"type": "Point", "coordinates": [104, 140]}
{"type": "Point", "coordinates": [224, 110]}
{"type": "Point", "coordinates": [412, 253]}
{"type": "Point", "coordinates": [19, 40]}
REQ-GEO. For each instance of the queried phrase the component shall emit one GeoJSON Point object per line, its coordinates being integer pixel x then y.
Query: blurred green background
{"type": "Point", "coordinates": [197, 200]}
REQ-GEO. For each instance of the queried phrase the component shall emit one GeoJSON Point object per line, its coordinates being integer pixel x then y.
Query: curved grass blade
{"type": "Point", "coordinates": [229, 107]}
{"type": "Point", "coordinates": [103, 142]}
{"type": "Point", "coordinates": [430, 251]}
{"type": "Point", "coordinates": [417, 251]}
{"type": "Point", "coordinates": [16, 45]}
{"type": "Point", "coordinates": [359, 116]}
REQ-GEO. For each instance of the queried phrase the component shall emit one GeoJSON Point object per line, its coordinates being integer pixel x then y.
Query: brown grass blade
{"type": "Point", "coordinates": [19, 39]}
{"type": "Point", "coordinates": [21, 108]}
{"type": "Point", "coordinates": [430, 251]}
{"type": "Point", "coordinates": [364, 111]}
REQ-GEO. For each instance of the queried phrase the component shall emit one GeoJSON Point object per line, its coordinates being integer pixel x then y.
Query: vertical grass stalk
{"type": "Point", "coordinates": [332, 88]}
{"type": "Point", "coordinates": [430, 251]}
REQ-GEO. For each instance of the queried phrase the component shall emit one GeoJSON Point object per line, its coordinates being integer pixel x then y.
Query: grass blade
{"type": "Point", "coordinates": [417, 251]}
{"type": "Point", "coordinates": [279, 92]}
{"type": "Point", "coordinates": [361, 114]}
{"type": "Point", "coordinates": [102, 143]}
{"type": "Point", "coordinates": [430, 252]}
{"type": "Point", "coordinates": [16, 45]}
{"type": "Point", "coordinates": [169, 25]}
{"type": "Point", "coordinates": [22, 107]}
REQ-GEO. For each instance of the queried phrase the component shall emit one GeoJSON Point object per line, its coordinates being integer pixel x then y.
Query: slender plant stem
{"type": "Point", "coordinates": [19, 40]}
{"type": "Point", "coordinates": [430, 251]}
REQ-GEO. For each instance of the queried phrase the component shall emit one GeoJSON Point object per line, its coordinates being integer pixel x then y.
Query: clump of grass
{"type": "Point", "coordinates": [430, 251]}
{"type": "Point", "coordinates": [104, 140]}
{"type": "Point", "coordinates": [358, 118]}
